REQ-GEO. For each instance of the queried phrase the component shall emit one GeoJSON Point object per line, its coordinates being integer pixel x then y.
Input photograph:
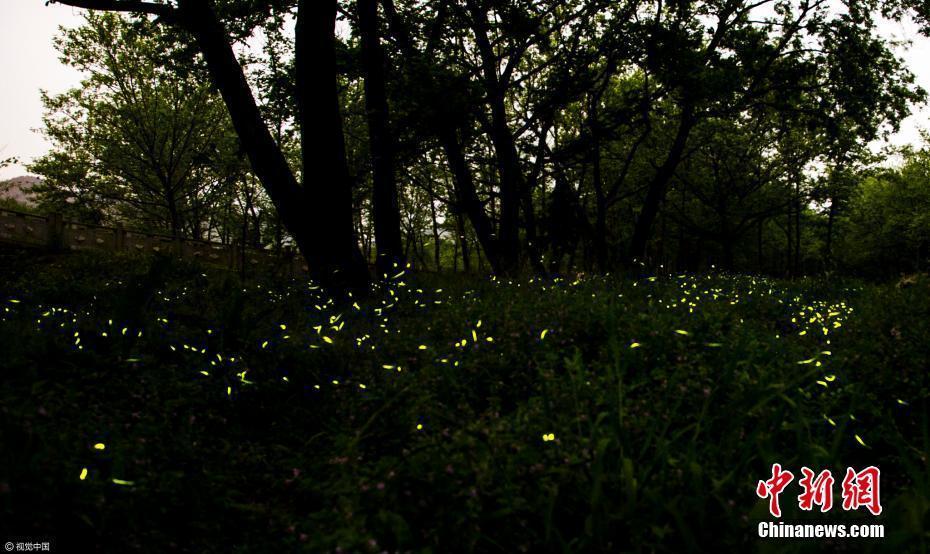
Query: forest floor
{"type": "Point", "coordinates": [153, 406]}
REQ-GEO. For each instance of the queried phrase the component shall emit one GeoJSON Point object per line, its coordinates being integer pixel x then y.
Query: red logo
{"type": "Point", "coordinates": [817, 490]}
{"type": "Point", "coordinates": [773, 487]}
{"type": "Point", "coordinates": [860, 489]}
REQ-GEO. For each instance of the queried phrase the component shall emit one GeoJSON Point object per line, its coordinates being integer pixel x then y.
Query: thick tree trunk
{"type": "Point", "coordinates": [505, 149]}
{"type": "Point", "coordinates": [381, 142]}
{"type": "Point", "coordinates": [325, 170]}
{"type": "Point", "coordinates": [331, 261]}
{"type": "Point", "coordinates": [558, 222]}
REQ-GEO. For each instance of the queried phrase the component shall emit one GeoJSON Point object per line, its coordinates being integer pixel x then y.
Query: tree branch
{"type": "Point", "coordinates": [164, 11]}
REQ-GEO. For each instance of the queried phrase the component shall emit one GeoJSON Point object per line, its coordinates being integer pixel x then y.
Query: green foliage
{"type": "Point", "coordinates": [604, 414]}
{"type": "Point", "coordinates": [888, 227]}
{"type": "Point", "coordinates": [144, 140]}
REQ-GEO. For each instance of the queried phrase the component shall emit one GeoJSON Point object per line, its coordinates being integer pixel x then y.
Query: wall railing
{"type": "Point", "coordinates": [54, 233]}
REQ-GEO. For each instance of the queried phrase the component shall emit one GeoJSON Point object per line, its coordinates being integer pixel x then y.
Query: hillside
{"type": "Point", "coordinates": [155, 405]}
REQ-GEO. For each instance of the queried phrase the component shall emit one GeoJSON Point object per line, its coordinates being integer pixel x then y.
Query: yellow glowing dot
{"type": "Point", "coordinates": [860, 441]}
{"type": "Point", "coordinates": [327, 339]}
{"type": "Point", "coordinates": [419, 426]}
{"type": "Point", "coordinates": [543, 334]}
{"type": "Point", "coordinates": [83, 474]}
{"type": "Point", "coordinates": [422, 347]}
{"type": "Point", "coordinates": [99, 446]}
{"type": "Point", "coordinates": [635, 345]}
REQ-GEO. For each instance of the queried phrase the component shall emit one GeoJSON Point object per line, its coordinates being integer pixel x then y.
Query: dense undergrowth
{"type": "Point", "coordinates": [448, 413]}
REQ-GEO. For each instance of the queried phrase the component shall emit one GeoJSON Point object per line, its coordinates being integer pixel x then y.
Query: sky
{"type": "Point", "coordinates": [28, 63]}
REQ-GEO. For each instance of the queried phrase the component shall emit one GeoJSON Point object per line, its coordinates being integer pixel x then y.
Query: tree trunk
{"type": "Point", "coordinates": [797, 227]}
{"type": "Point", "coordinates": [658, 187]}
{"type": "Point", "coordinates": [331, 260]}
{"type": "Point", "coordinates": [436, 243]}
{"type": "Point", "coordinates": [381, 142]}
{"type": "Point", "coordinates": [174, 218]}
{"type": "Point", "coordinates": [505, 149]}
{"type": "Point", "coordinates": [462, 240]}
{"type": "Point", "coordinates": [324, 170]}
{"type": "Point", "coordinates": [727, 244]}
{"type": "Point", "coordinates": [600, 223]}
{"type": "Point", "coordinates": [467, 197]}
{"type": "Point", "coordinates": [790, 241]}
{"type": "Point", "coordinates": [529, 224]}
{"type": "Point", "coordinates": [760, 261]}
{"type": "Point", "coordinates": [831, 216]}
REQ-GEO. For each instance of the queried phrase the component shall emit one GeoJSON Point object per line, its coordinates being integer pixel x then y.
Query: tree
{"type": "Point", "coordinates": [581, 133]}
{"type": "Point", "coordinates": [381, 140]}
{"type": "Point", "coordinates": [140, 139]}
{"type": "Point", "coordinates": [887, 225]}
{"type": "Point", "coordinates": [318, 213]}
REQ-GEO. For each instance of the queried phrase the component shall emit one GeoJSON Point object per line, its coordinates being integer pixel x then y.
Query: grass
{"type": "Point", "coordinates": [448, 413]}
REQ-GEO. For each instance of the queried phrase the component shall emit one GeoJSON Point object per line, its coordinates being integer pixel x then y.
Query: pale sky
{"type": "Point", "coordinates": [28, 62]}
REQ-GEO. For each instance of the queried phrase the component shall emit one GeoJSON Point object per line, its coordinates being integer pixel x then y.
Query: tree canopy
{"type": "Point", "coordinates": [518, 136]}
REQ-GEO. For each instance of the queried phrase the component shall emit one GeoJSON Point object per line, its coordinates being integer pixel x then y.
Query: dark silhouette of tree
{"type": "Point", "coordinates": [384, 196]}
{"type": "Point", "coordinates": [318, 214]}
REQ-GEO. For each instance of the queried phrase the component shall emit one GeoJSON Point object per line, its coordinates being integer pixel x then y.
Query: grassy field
{"type": "Point", "coordinates": [149, 406]}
